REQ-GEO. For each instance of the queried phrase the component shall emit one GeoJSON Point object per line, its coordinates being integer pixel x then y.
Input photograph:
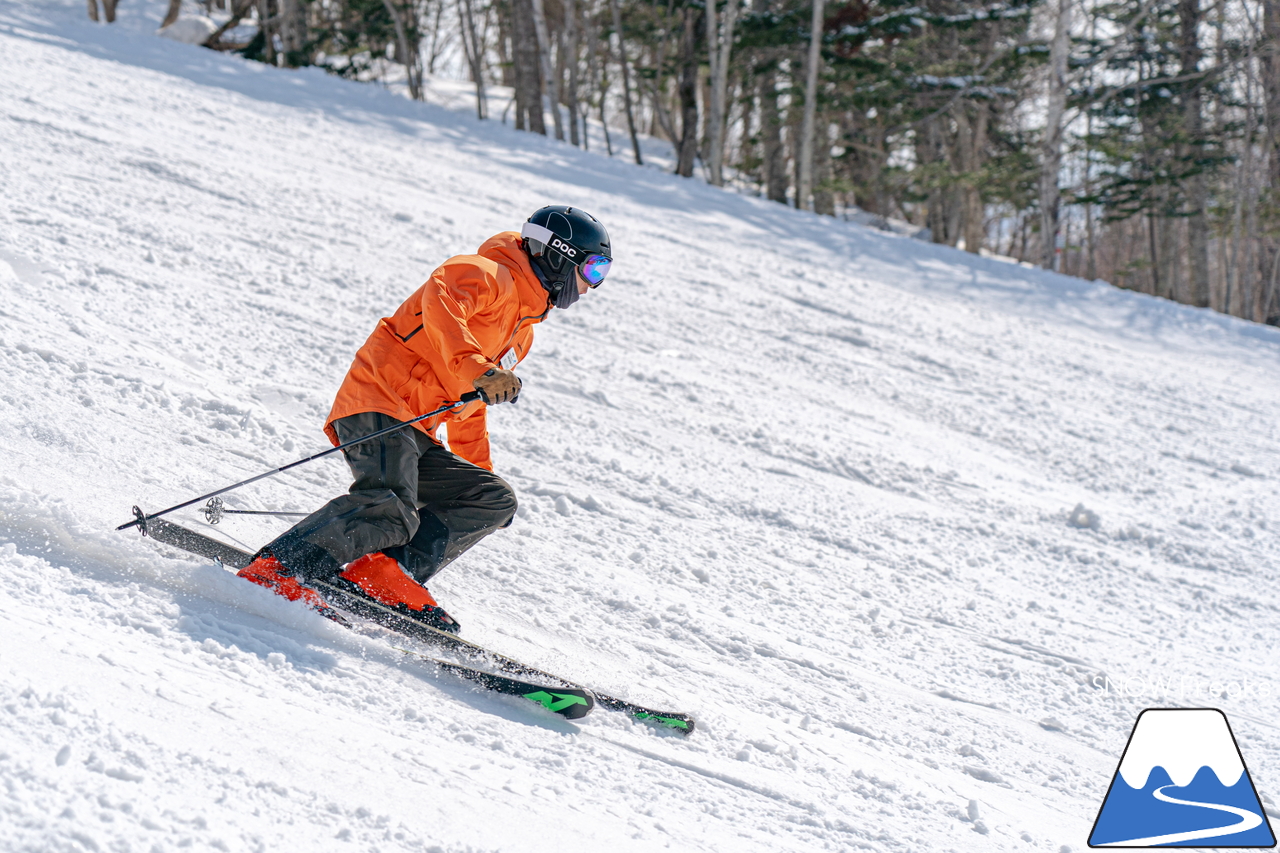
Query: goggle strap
{"type": "Point", "coordinates": [540, 233]}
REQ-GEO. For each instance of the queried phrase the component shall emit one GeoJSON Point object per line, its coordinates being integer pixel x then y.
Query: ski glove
{"type": "Point", "coordinates": [498, 386]}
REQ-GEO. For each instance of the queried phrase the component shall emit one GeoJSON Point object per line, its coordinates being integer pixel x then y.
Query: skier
{"type": "Point", "coordinates": [415, 506]}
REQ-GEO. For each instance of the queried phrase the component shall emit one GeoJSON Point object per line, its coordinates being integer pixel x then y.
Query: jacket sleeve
{"type": "Point", "coordinates": [469, 439]}
{"type": "Point", "coordinates": [454, 293]}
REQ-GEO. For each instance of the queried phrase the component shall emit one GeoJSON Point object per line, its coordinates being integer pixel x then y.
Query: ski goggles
{"type": "Point", "coordinates": [594, 269]}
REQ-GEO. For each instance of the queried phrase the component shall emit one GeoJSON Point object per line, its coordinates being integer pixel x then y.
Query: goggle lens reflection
{"type": "Point", "coordinates": [594, 269]}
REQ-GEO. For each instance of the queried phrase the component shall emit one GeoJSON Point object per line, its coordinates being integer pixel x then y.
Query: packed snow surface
{"type": "Point", "coordinates": [914, 534]}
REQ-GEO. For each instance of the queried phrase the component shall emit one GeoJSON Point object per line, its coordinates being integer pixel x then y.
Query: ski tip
{"type": "Point", "coordinates": [682, 723]}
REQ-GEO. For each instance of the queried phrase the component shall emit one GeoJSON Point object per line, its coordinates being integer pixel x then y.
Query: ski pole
{"type": "Point", "coordinates": [140, 519]}
{"type": "Point", "coordinates": [215, 509]}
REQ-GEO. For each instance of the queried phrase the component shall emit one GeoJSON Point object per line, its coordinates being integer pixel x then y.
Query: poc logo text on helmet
{"type": "Point", "coordinates": [565, 248]}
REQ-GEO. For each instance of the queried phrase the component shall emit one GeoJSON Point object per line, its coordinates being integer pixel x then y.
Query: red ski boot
{"type": "Point", "coordinates": [381, 578]}
{"type": "Point", "coordinates": [267, 571]}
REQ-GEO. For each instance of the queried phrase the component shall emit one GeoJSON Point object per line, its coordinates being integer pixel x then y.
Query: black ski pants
{"type": "Point", "coordinates": [412, 499]}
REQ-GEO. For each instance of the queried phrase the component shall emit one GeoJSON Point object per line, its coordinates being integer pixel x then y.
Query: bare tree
{"type": "Point", "coordinates": [108, 10]}
{"type": "Point", "coordinates": [804, 184]}
{"type": "Point", "coordinates": [971, 146]}
{"type": "Point", "coordinates": [440, 37]}
{"type": "Point", "coordinates": [719, 48]}
{"type": "Point", "coordinates": [626, 82]}
{"type": "Point", "coordinates": [824, 201]}
{"type": "Point", "coordinates": [265, 24]}
{"type": "Point", "coordinates": [1051, 144]}
{"type": "Point", "coordinates": [569, 61]}
{"type": "Point", "coordinates": [550, 85]}
{"type": "Point", "coordinates": [175, 9]}
{"type": "Point", "coordinates": [1193, 150]}
{"type": "Point", "coordinates": [596, 82]}
{"type": "Point", "coordinates": [473, 48]}
{"type": "Point", "coordinates": [687, 148]}
{"type": "Point", "coordinates": [772, 150]}
{"type": "Point", "coordinates": [240, 10]}
{"type": "Point", "coordinates": [1270, 57]}
{"type": "Point", "coordinates": [527, 69]}
{"type": "Point", "coordinates": [291, 20]}
{"type": "Point", "coordinates": [407, 53]}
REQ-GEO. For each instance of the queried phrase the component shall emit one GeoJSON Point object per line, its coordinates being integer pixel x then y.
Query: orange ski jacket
{"type": "Point", "coordinates": [476, 312]}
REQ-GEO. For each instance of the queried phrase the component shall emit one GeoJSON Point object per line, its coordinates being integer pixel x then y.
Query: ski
{"type": "Point", "coordinates": [569, 701]}
{"type": "Point", "coordinates": [392, 620]}
{"type": "Point", "coordinates": [196, 543]}
{"type": "Point", "coordinates": [371, 611]}
{"type": "Point", "coordinates": [572, 703]}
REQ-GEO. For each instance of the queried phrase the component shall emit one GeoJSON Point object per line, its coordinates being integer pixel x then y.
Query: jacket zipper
{"type": "Point", "coordinates": [520, 325]}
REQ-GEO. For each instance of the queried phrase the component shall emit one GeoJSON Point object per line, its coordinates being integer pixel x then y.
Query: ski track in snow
{"type": "Point", "coordinates": [806, 481]}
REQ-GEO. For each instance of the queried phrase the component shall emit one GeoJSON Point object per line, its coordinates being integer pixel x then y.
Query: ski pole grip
{"type": "Point", "coordinates": [469, 397]}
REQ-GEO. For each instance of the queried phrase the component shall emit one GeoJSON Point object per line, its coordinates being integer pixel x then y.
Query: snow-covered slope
{"type": "Point", "coordinates": [806, 481]}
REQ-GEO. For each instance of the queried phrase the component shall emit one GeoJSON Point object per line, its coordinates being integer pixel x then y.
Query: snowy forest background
{"type": "Point", "coordinates": [1142, 134]}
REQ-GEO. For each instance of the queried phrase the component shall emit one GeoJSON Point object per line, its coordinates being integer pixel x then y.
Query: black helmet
{"type": "Point", "coordinates": [559, 239]}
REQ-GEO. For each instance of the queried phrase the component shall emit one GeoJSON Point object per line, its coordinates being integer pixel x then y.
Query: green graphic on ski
{"type": "Point", "coordinates": [572, 704]}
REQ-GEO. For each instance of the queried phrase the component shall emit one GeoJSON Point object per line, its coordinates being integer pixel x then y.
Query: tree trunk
{"type": "Point", "coordinates": [474, 50]}
{"type": "Point", "coordinates": [1232, 265]}
{"type": "Point", "coordinates": [109, 10]}
{"type": "Point", "coordinates": [824, 200]}
{"type": "Point", "coordinates": [506, 47]}
{"type": "Point", "coordinates": [660, 121]}
{"type": "Point", "coordinates": [175, 8]}
{"type": "Point", "coordinates": [1170, 249]}
{"type": "Point", "coordinates": [604, 124]}
{"type": "Point", "coordinates": [527, 69]}
{"type": "Point", "coordinates": [593, 83]}
{"type": "Point", "coordinates": [408, 51]}
{"type": "Point", "coordinates": [434, 44]}
{"type": "Point", "coordinates": [720, 55]}
{"type": "Point", "coordinates": [1270, 69]}
{"type": "Point", "coordinates": [268, 36]}
{"type": "Point", "coordinates": [1251, 284]}
{"type": "Point", "coordinates": [804, 184]}
{"type": "Point", "coordinates": [1051, 150]}
{"type": "Point", "coordinates": [569, 58]}
{"type": "Point", "coordinates": [971, 145]}
{"type": "Point", "coordinates": [1091, 259]}
{"type": "Point", "coordinates": [942, 216]}
{"type": "Point", "coordinates": [1153, 242]}
{"type": "Point", "coordinates": [1271, 81]}
{"type": "Point", "coordinates": [713, 103]}
{"type": "Point", "coordinates": [1269, 311]}
{"type": "Point", "coordinates": [550, 85]}
{"type": "Point", "coordinates": [626, 82]}
{"type": "Point", "coordinates": [773, 152]}
{"type": "Point", "coordinates": [294, 34]}
{"type": "Point", "coordinates": [1197, 189]}
{"type": "Point", "coordinates": [688, 147]}
{"type": "Point", "coordinates": [93, 10]}
{"type": "Point", "coordinates": [239, 10]}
